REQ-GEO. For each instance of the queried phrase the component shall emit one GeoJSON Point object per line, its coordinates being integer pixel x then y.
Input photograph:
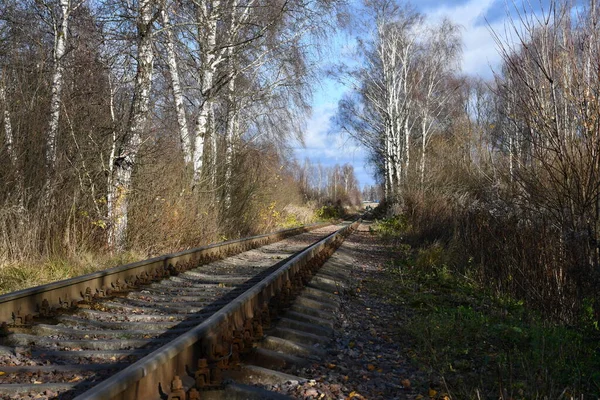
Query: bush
{"type": "Point", "coordinates": [329, 212]}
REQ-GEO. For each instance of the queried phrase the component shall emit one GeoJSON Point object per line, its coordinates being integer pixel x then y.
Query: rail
{"type": "Point", "coordinates": [20, 307]}
{"type": "Point", "coordinates": [152, 375]}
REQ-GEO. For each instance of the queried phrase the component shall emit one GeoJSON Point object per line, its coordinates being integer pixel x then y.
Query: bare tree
{"type": "Point", "coordinates": [440, 60]}
{"type": "Point", "coordinates": [173, 66]}
{"type": "Point", "coordinates": [59, 20]}
{"type": "Point", "coordinates": [124, 161]}
{"type": "Point", "coordinates": [381, 113]}
{"type": "Point", "coordinates": [8, 131]}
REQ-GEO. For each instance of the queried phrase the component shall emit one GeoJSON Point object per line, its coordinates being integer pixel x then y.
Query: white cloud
{"type": "Point", "coordinates": [465, 14]}
{"type": "Point", "coordinates": [480, 51]}
{"type": "Point", "coordinates": [331, 148]}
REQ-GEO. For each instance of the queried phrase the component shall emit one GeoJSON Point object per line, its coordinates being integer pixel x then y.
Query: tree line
{"type": "Point", "coordinates": [322, 185]}
{"type": "Point", "coordinates": [121, 117]}
{"type": "Point", "coordinates": [504, 170]}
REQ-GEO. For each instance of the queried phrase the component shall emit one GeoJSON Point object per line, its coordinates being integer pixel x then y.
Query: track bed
{"type": "Point", "coordinates": [64, 353]}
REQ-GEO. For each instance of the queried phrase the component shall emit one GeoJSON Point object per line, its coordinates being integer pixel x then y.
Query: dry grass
{"type": "Point", "coordinates": [25, 274]}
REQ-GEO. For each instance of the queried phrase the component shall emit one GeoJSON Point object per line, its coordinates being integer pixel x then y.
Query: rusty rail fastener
{"type": "Point", "coordinates": [202, 375]}
{"type": "Point", "coordinates": [177, 390]}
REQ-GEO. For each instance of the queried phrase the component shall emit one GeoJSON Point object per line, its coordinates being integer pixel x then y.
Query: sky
{"type": "Point", "coordinates": [479, 57]}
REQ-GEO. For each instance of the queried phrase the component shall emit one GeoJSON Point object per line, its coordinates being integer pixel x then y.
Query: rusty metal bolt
{"type": "Point", "coordinates": [216, 376]}
{"type": "Point", "coordinates": [237, 346]}
{"type": "Point", "coordinates": [248, 334]}
{"type": "Point", "coordinates": [177, 390]}
{"type": "Point", "coordinates": [45, 309]}
{"type": "Point", "coordinates": [221, 355]}
{"type": "Point", "coordinates": [87, 296]}
{"type": "Point", "coordinates": [202, 375]}
{"type": "Point", "coordinates": [63, 303]}
{"type": "Point", "coordinates": [171, 269]}
{"type": "Point", "coordinates": [193, 394]}
{"type": "Point", "coordinates": [17, 318]}
{"type": "Point", "coordinates": [258, 329]}
{"type": "Point", "coordinates": [223, 361]}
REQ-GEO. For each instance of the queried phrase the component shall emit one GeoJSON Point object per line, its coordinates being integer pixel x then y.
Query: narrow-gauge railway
{"type": "Point", "coordinates": [133, 329]}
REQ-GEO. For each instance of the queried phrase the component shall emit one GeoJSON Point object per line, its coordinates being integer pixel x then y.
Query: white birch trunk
{"type": "Point", "coordinates": [424, 134]}
{"type": "Point", "coordinates": [8, 132]}
{"type": "Point", "coordinates": [230, 142]}
{"type": "Point", "coordinates": [213, 153]}
{"type": "Point", "coordinates": [60, 47]}
{"type": "Point", "coordinates": [111, 161]}
{"type": "Point", "coordinates": [125, 161]}
{"type": "Point", "coordinates": [406, 146]}
{"type": "Point", "coordinates": [389, 157]}
{"type": "Point", "coordinates": [204, 120]}
{"type": "Point", "coordinates": [184, 137]}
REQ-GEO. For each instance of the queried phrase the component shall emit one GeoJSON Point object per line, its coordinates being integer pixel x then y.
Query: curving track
{"type": "Point", "coordinates": [142, 324]}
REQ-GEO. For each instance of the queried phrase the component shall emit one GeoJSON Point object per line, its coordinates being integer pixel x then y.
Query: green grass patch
{"type": "Point", "coordinates": [477, 345]}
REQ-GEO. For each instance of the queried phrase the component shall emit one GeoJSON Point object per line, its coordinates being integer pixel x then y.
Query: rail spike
{"type": "Point", "coordinates": [202, 374]}
{"type": "Point", "coordinates": [193, 394]}
{"type": "Point", "coordinates": [177, 390]}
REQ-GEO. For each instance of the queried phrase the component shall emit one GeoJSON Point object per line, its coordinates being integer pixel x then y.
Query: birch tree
{"type": "Point", "coordinates": [8, 131]}
{"type": "Point", "coordinates": [59, 19]}
{"type": "Point", "coordinates": [440, 60]}
{"type": "Point", "coordinates": [124, 162]}
{"type": "Point", "coordinates": [173, 67]}
{"type": "Point", "coordinates": [380, 113]}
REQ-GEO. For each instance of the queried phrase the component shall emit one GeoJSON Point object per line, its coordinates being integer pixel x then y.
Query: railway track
{"type": "Point", "coordinates": [130, 332]}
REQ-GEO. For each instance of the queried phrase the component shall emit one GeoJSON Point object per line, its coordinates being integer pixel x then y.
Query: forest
{"type": "Point", "coordinates": [132, 128]}
{"type": "Point", "coordinates": [504, 172]}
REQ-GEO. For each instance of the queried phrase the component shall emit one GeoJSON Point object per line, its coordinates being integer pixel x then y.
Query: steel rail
{"type": "Point", "coordinates": [21, 306]}
{"type": "Point", "coordinates": [151, 375]}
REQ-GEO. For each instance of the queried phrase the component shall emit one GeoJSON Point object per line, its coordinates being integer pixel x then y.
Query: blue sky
{"type": "Point", "coordinates": [479, 54]}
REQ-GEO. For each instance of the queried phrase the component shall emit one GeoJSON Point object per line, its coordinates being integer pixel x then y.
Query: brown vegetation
{"type": "Point", "coordinates": [512, 177]}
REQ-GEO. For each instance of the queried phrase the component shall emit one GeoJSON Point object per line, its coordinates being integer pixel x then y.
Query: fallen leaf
{"type": "Point", "coordinates": [405, 383]}
{"type": "Point", "coordinates": [370, 367]}
{"type": "Point", "coordinates": [2, 373]}
{"type": "Point", "coordinates": [353, 395]}
{"type": "Point", "coordinates": [432, 393]}
{"type": "Point", "coordinates": [331, 366]}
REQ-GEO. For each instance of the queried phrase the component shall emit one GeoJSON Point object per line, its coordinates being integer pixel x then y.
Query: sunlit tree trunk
{"type": "Point", "coordinates": [231, 142]}
{"type": "Point", "coordinates": [61, 31]}
{"type": "Point", "coordinates": [184, 137]}
{"type": "Point", "coordinates": [205, 118]}
{"type": "Point", "coordinates": [124, 162]}
{"type": "Point", "coordinates": [8, 131]}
